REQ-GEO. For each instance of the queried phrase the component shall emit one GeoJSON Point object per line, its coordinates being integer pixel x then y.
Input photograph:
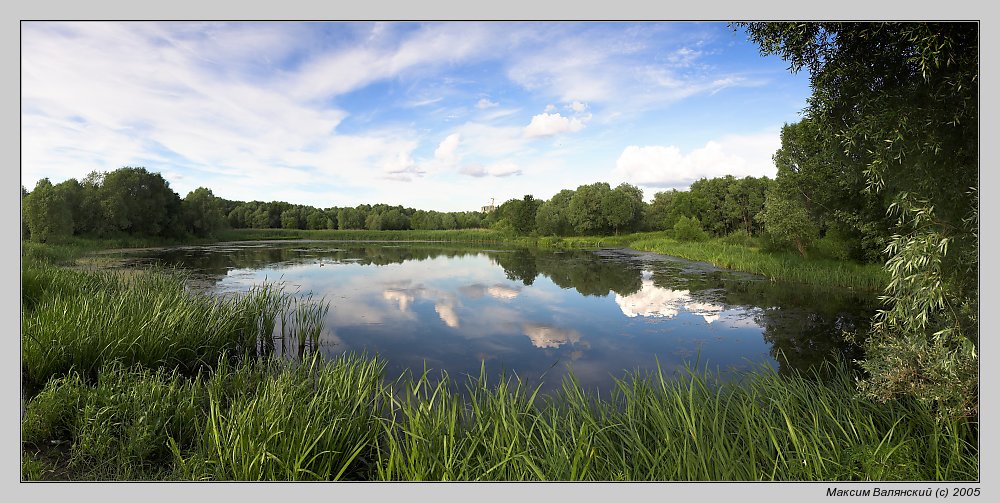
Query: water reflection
{"type": "Point", "coordinates": [654, 301]}
{"type": "Point", "coordinates": [545, 336]}
{"type": "Point", "coordinates": [535, 312]}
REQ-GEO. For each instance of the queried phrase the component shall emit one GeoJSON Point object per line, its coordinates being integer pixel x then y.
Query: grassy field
{"type": "Point", "coordinates": [131, 377]}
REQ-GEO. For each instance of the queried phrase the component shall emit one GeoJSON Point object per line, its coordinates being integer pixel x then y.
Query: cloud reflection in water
{"type": "Point", "coordinates": [657, 302]}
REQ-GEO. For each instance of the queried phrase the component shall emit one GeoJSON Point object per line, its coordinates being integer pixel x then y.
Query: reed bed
{"type": "Point", "coordinates": [338, 419]}
{"type": "Point", "coordinates": [258, 420]}
{"type": "Point", "coordinates": [777, 266]}
{"type": "Point", "coordinates": [81, 320]}
{"type": "Point", "coordinates": [655, 427]}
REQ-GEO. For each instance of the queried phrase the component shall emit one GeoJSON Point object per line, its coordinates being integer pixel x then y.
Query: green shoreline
{"type": "Point", "coordinates": [154, 396]}
{"type": "Point", "coordinates": [776, 266]}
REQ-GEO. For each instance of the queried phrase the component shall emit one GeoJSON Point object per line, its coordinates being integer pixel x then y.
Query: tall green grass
{"type": "Point", "coordinates": [656, 427]}
{"type": "Point", "coordinates": [778, 266]}
{"type": "Point", "coordinates": [258, 420]}
{"type": "Point", "coordinates": [339, 419]}
{"type": "Point", "coordinates": [81, 320]}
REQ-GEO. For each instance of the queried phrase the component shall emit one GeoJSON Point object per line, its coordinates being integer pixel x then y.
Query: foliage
{"type": "Point", "coordinates": [723, 205]}
{"type": "Point", "coordinates": [787, 220]}
{"type": "Point", "coordinates": [623, 208]}
{"type": "Point", "coordinates": [585, 209]}
{"type": "Point", "coordinates": [901, 99]}
{"type": "Point", "coordinates": [689, 229]}
{"type": "Point", "coordinates": [921, 299]}
{"type": "Point", "coordinates": [47, 213]}
{"type": "Point", "coordinates": [203, 212]}
{"type": "Point", "coordinates": [552, 218]}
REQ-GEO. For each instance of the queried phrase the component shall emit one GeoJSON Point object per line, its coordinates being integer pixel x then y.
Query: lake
{"type": "Point", "coordinates": [537, 313]}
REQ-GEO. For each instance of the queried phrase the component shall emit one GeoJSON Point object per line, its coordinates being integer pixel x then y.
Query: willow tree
{"type": "Point", "coordinates": [901, 100]}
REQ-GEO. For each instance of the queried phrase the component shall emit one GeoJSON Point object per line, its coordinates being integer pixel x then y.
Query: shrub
{"type": "Point", "coordinates": [689, 229]}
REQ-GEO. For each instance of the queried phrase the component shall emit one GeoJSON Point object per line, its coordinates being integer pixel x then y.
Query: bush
{"type": "Point", "coordinates": [740, 238]}
{"type": "Point", "coordinates": [689, 229]}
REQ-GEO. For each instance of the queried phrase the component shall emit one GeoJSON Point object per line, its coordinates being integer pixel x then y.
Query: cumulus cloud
{"type": "Point", "coordinates": [546, 124]}
{"type": "Point", "coordinates": [486, 103]}
{"type": "Point", "coordinates": [577, 107]}
{"type": "Point", "coordinates": [446, 151]}
{"type": "Point", "coordinates": [401, 166]}
{"type": "Point", "coordinates": [667, 166]}
{"type": "Point", "coordinates": [219, 103]}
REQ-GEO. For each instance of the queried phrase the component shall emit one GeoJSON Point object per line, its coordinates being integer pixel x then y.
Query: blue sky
{"type": "Point", "coordinates": [437, 116]}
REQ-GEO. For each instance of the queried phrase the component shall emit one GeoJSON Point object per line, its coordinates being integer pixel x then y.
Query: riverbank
{"type": "Point", "coordinates": [154, 389]}
{"type": "Point", "coordinates": [777, 266]}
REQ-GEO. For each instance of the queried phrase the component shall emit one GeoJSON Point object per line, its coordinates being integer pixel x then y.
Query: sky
{"type": "Point", "coordinates": [439, 116]}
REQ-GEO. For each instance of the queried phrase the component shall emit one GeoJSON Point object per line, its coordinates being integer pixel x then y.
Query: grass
{"type": "Point", "coordinates": [777, 266]}
{"type": "Point", "coordinates": [340, 419]}
{"type": "Point", "coordinates": [80, 320]}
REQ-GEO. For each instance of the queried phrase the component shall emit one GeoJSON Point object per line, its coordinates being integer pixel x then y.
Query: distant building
{"type": "Point", "coordinates": [489, 208]}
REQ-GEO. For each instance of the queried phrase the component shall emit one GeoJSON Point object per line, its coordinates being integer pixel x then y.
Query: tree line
{"type": "Point", "coordinates": [135, 201]}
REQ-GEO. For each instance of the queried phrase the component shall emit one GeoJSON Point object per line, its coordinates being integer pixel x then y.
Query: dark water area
{"type": "Point", "coordinates": [535, 313]}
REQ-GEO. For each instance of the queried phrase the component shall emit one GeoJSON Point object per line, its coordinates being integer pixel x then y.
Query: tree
{"type": "Point", "coordinates": [522, 214]}
{"type": "Point", "coordinates": [139, 202]}
{"type": "Point", "coordinates": [622, 207]}
{"type": "Point", "coordinates": [814, 168]}
{"type": "Point", "coordinates": [586, 208]}
{"type": "Point", "coordinates": [552, 218]}
{"type": "Point", "coordinates": [901, 99]}
{"type": "Point", "coordinates": [786, 219]}
{"type": "Point", "coordinates": [47, 213]}
{"type": "Point", "coordinates": [203, 212]}
{"type": "Point", "coordinates": [317, 219]}
{"type": "Point", "coordinates": [25, 232]}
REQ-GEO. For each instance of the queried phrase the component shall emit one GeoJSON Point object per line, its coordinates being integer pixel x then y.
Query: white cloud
{"type": "Point", "coordinates": [551, 124]}
{"type": "Point", "coordinates": [577, 107]}
{"type": "Point", "coordinates": [550, 108]}
{"type": "Point", "coordinates": [446, 151]}
{"type": "Point", "coordinates": [491, 141]}
{"type": "Point", "coordinates": [683, 57]}
{"type": "Point", "coordinates": [667, 166]}
{"type": "Point", "coordinates": [497, 169]}
{"type": "Point", "coordinates": [486, 103]}
{"type": "Point", "coordinates": [431, 46]}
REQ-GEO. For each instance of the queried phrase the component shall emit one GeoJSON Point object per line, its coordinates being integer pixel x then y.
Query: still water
{"type": "Point", "coordinates": [537, 314]}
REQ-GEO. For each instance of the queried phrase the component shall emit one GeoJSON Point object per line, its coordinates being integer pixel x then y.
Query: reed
{"type": "Point", "coordinates": [81, 320]}
{"type": "Point", "coordinates": [777, 266]}
{"type": "Point", "coordinates": [695, 426]}
{"type": "Point", "coordinates": [336, 419]}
